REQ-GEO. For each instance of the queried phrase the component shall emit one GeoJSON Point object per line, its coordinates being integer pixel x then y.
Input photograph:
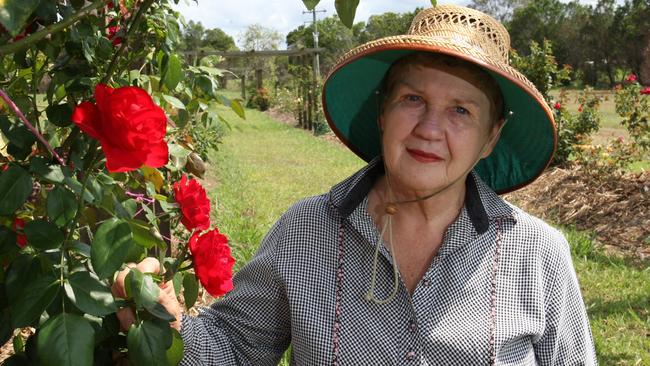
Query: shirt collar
{"type": "Point", "coordinates": [481, 203]}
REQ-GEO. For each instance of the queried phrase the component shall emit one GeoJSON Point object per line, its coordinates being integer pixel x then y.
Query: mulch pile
{"type": "Point", "coordinates": [616, 209]}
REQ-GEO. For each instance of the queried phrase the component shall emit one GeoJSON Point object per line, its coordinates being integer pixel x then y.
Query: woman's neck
{"type": "Point", "coordinates": [440, 209]}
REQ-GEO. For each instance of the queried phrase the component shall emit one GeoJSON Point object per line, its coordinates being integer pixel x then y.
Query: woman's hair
{"type": "Point", "coordinates": [480, 77]}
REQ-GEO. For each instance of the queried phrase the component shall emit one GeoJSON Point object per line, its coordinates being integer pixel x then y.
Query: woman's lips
{"type": "Point", "coordinates": [423, 157]}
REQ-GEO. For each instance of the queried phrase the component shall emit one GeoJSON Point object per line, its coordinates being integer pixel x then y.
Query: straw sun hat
{"type": "Point", "coordinates": [528, 140]}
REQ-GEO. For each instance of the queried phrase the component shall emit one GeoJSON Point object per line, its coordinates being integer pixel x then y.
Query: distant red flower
{"type": "Point", "coordinates": [128, 124]}
{"type": "Point", "coordinates": [194, 202]}
{"type": "Point", "coordinates": [580, 108]}
{"type": "Point", "coordinates": [112, 31]}
{"type": "Point", "coordinates": [212, 261]}
{"type": "Point", "coordinates": [631, 78]}
{"type": "Point", "coordinates": [645, 91]}
{"type": "Point", "coordinates": [557, 106]}
{"type": "Point", "coordinates": [18, 226]}
{"type": "Point", "coordinates": [5, 167]}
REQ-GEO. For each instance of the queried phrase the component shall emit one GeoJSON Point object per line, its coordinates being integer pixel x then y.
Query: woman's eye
{"type": "Point", "coordinates": [461, 110]}
{"type": "Point", "coordinates": [412, 99]}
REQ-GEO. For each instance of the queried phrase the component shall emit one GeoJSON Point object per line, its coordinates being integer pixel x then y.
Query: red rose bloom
{"type": "Point", "coordinates": [194, 202]}
{"type": "Point", "coordinates": [19, 225]}
{"type": "Point", "coordinates": [112, 31]}
{"type": "Point", "coordinates": [580, 108]}
{"type": "Point", "coordinates": [212, 261]}
{"type": "Point", "coordinates": [631, 78]}
{"type": "Point", "coordinates": [645, 91]}
{"type": "Point", "coordinates": [129, 126]}
{"type": "Point", "coordinates": [557, 106]}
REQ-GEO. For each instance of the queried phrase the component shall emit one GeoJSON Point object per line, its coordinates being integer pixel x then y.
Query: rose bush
{"type": "Point", "coordinates": [93, 133]}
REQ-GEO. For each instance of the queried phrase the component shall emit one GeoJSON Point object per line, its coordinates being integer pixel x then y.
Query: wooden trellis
{"type": "Point", "coordinates": [308, 91]}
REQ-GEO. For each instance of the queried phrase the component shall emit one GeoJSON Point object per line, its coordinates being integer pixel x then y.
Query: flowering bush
{"type": "Point", "coordinates": [575, 129]}
{"type": "Point", "coordinates": [603, 162]}
{"type": "Point", "coordinates": [633, 105]}
{"type": "Point", "coordinates": [86, 185]}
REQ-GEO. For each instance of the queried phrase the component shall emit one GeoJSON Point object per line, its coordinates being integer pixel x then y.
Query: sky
{"type": "Point", "coordinates": [233, 16]}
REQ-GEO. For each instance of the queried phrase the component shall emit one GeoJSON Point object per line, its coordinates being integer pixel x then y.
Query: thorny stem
{"type": "Point", "coordinates": [22, 117]}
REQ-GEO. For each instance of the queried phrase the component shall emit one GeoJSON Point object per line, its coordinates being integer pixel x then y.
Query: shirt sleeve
{"type": "Point", "coordinates": [251, 324]}
{"type": "Point", "coordinates": [567, 338]}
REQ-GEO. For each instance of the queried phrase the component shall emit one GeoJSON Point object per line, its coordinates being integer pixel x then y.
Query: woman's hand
{"type": "Point", "coordinates": [166, 298]}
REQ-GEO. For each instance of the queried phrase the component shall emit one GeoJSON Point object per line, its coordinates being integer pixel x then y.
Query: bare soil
{"type": "Point", "coordinates": [616, 209]}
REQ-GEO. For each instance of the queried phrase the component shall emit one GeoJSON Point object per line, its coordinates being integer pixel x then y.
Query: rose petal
{"type": "Point", "coordinates": [158, 155]}
{"type": "Point", "coordinates": [119, 159]}
{"type": "Point", "coordinates": [86, 116]}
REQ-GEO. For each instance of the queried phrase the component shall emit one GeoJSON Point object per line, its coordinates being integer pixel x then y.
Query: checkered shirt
{"type": "Point", "coordinates": [501, 290]}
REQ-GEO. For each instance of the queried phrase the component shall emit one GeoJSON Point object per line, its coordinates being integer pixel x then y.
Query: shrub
{"type": "Point", "coordinates": [574, 130]}
{"type": "Point", "coordinates": [259, 100]}
{"type": "Point", "coordinates": [633, 104]}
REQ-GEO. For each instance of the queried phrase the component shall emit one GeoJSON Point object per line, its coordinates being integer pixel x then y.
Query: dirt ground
{"type": "Point", "coordinates": [616, 210]}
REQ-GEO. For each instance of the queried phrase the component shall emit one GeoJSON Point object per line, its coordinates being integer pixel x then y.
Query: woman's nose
{"type": "Point", "coordinates": [431, 124]}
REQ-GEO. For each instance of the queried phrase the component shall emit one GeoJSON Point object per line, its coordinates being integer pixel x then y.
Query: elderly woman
{"type": "Point", "coordinates": [414, 259]}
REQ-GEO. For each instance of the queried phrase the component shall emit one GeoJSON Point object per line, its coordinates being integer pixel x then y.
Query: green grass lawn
{"type": "Point", "coordinates": [264, 166]}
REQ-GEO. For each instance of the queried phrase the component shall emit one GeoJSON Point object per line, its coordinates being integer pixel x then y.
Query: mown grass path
{"type": "Point", "coordinates": [264, 166]}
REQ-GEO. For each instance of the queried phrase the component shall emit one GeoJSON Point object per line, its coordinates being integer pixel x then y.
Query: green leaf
{"type": "Point", "coordinates": [145, 293]}
{"type": "Point", "coordinates": [172, 72]}
{"type": "Point", "coordinates": [51, 173]}
{"type": "Point", "coordinates": [15, 188]}
{"type": "Point", "coordinates": [190, 289]}
{"type": "Point", "coordinates": [310, 4]}
{"type": "Point", "coordinates": [213, 71]}
{"type": "Point", "coordinates": [43, 235]}
{"type": "Point", "coordinates": [66, 340]}
{"type": "Point", "coordinates": [89, 294]}
{"type": "Point", "coordinates": [177, 281]}
{"type": "Point", "coordinates": [175, 352]}
{"type": "Point", "coordinates": [148, 342]}
{"type": "Point", "coordinates": [434, 3]}
{"type": "Point", "coordinates": [59, 114]}
{"type": "Point", "coordinates": [21, 139]}
{"type": "Point", "coordinates": [110, 247]}
{"type": "Point", "coordinates": [34, 298]}
{"type": "Point", "coordinates": [175, 102]}
{"type": "Point", "coordinates": [143, 236]}
{"type": "Point", "coordinates": [61, 206]}
{"type": "Point", "coordinates": [346, 9]}
{"type": "Point", "coordinates": [19, 344]}
{"type": "Point", "coordinates": [236, 106]}
{"type": "Point", "coordinates": [14, 14]}
{"type": "Point", "coordinates": [7, 242]}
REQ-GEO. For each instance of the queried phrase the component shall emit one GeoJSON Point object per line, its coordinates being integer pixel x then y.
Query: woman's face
{"type": "Point", "coordinates": [436, 125]}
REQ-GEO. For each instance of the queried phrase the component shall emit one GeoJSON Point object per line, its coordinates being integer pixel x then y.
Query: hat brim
{"type": "Point", "coordinates": [351, 106]}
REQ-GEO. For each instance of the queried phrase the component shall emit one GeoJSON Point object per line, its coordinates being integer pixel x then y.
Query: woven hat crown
{"type": "Point", "coordinates": [464, 27]}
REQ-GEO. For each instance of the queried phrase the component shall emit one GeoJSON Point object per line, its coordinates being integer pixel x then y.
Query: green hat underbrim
{"type": "Point", "coordinates": [527, 143]}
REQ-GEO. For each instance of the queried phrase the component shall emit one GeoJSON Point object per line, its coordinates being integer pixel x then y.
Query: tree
{"type": "Point", "coordinates": [217, 39]}
{"type": "Point", "coordinates": [499, 9]}
{"type": "Point", "coordinates": [334, 37]}
{"type": "Point", "coordinates": [258, 37]}
{"type": "Point", "coordinates": [193, 35]}
{"type": "Point", "coordinates": [387, 24]}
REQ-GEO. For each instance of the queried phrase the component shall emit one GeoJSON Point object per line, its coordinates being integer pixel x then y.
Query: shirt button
{"type": "Point", "coordinates": [426, 282]}
{"type": "Point", "coordinates": [413, 326]}
{"type": "Point", "coordinates": [410, 356]}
